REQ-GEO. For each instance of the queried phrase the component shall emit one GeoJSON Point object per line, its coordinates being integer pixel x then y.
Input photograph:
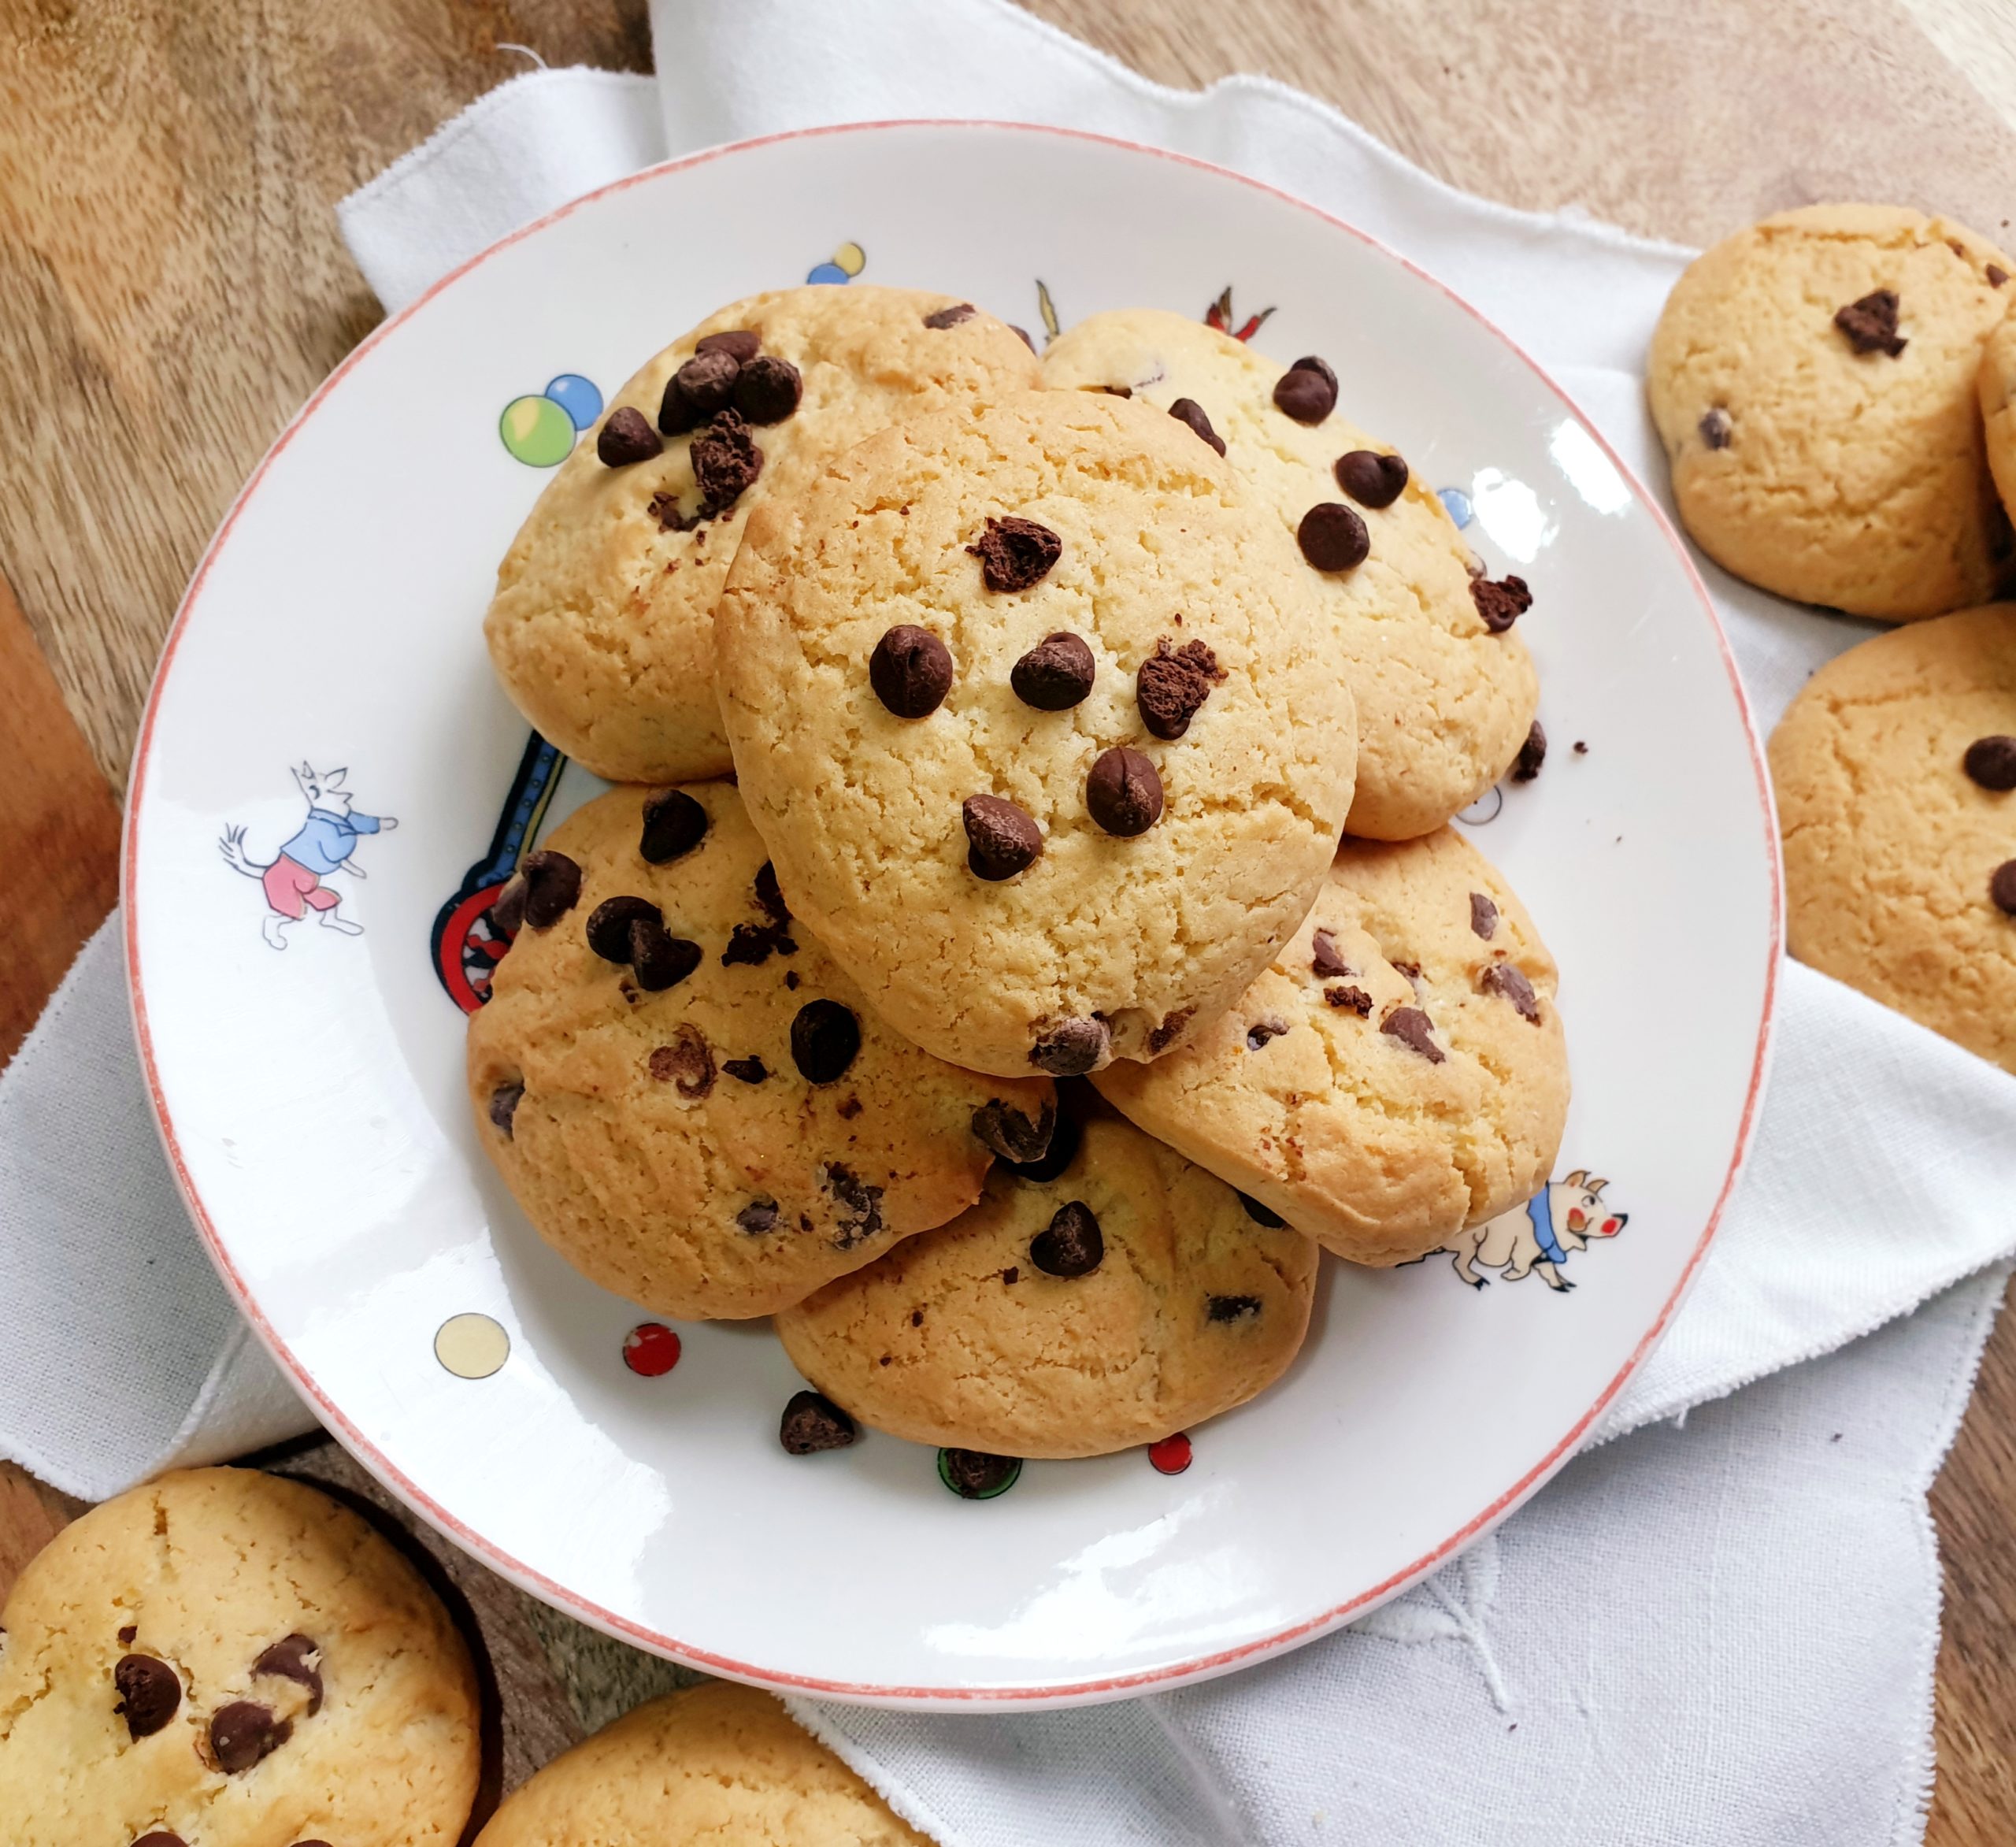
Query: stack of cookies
{"type": "Point", "coordinates": [1028, 926]}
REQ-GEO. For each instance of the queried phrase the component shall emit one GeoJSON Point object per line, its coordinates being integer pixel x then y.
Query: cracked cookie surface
{"type": "Point", "coordinates": [1398, 1072]}
{"type": "Point", "coordinates": [601, 627]}
{"type": "Point", "coordinates": [231, 1659]}
{"type": "Point", "coordinates": [714, 1125]}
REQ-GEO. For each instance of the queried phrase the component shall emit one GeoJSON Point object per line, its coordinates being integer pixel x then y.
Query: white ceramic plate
{"type": "Point", "coordinates": [311, 1099]}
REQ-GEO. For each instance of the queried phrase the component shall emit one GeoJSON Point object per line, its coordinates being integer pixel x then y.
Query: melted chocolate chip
{"type": "Point", "coordinates": [1715, 428]}
{"type": "Point", "coordinates": [768, 390]}
{"type": "Point", "coordinates": [725, 461]}
{"type": "Point", "coordinates": [1992, 762]}
{"type": "Point", "coordinates": [1072, 1245]}
{"type": "Point", "coordinates": [1123, 792]}
{"type": "Point", "coordinates": [1508, 981]}
{"type": "Point", "coordinates": [1333, 538]}
{"type": "Point", "coordinates": [1001, 840]}
{"type": "Point", "coordinates": [1015, 553]}
{"type": "Point", "coordinates": [674, 825]}
{"type": "Point", "coordinates": [1371, 478]}
{"type": "Point", "coordinates": [972, 1474]}
{"type": "Point", "coordinates": [1188, 410]}
{"type": "Point", "coordinates": [759, 1216]}
{"type": "Point", "coordinates": [749, 1070]}
{"type": "Point", "coordinates": [1501, 602]}
{"type": "Point", "coordinates": [1261, 1031]}
{"type": "Point", "coordinates": [1307, 392]}
{"type": "Point", "coordinates": [824, 1037]}
{"type": "Point", "coordinates": [1323, 956]}
{"type": "Point", "coordinates": [1072, 1049]}
{"type": "Point", "coordinates": [298, 1658]}
{"type": "Point", "coordinates": [1231, 1308]}
{"type": "Point", "coordinates": [910, 670]}
{"type": "Point", "coordinates": [1063, 1149]}
{"type": "Point", "coordinates": [1261, 1215]}
{"type": "Point", "coordinates": [1172, 685]}
{"type": "Point", "coordinates": [1484, 916]}
{"type": "Point", "coordinates": [1055, 674]}
{"type": "Point", "coordinates": [1007, 1131]}
{"type": "Point", "coordinates": [2001, 887]}
{"type": "Point", "coordinates": [1871, 323]}
{"type": "Point", "coordinates": [627, 438]}
{"type": "Point", "coordinates": [860, 1213]}
{"type": "Point", "coordinates": [148, 1693]}
{"type": "Point", "coordinates": [812, 1422]}
{"type": "Point", "coordinates": [504, 1101]}
{"type": "Point", "coordinates": [608, 928]}
{"type": "Point", "coordinates": [1165, 1036]}
{"type": "Point", "coordinates": [1533, 754]}
{"type": "Point", "coordinates": [658, 959]}
{"type": "Point", "coordinates": [740, 344]}
{"type": "Point", "coordinates": [951, 317]}
{"type": "Point", "coordinates": [244, 1732]}
{"type": "Point", "coordinates": [1355, 998]}
{"type": "Point", "coordinates": [1412, 1028]}
{"type": "Point", "coordinates": [687, 1063]}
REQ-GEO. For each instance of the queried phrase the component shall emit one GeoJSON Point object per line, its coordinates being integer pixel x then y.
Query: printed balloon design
{"type": "Point", "coordinates": [844, 264]}
{"type": "Point", "coordinates": [539, 429]}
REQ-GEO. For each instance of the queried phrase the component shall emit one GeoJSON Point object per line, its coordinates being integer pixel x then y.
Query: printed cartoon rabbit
{"type": "Point", "coordinates": [326, 839]}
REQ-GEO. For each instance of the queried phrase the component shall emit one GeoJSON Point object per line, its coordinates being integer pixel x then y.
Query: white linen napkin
{"type": "Point", "coordinates": [1721, 1631]}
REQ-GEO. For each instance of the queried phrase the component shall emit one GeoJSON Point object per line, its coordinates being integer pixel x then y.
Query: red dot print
{"type": "Point", "coordinates": [651, 1349]}
{"type": "Point", "coordinates": [1171, 1456]}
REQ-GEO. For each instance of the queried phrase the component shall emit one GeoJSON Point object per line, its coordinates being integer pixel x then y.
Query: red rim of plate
{"type": "Point", "coordinates": [1204, 1667]}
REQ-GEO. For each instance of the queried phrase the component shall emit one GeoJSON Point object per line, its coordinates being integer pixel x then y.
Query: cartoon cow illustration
{"type": "Point", "coordinates": [326, 839]}
{"type": "Point", "coordinates": [1563, 1216]}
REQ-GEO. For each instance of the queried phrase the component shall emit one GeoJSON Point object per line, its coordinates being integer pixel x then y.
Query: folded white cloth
{"type": "Point", "coordinates": [1723, 1631]}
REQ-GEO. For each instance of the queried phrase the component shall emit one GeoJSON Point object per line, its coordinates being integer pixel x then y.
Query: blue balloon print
{"type": "Point", "coordinates": [1458, 502]}
{"type": "Point", "coordinates": [578, 397]}
{"type": "Point", "coordinates": [826, 272]}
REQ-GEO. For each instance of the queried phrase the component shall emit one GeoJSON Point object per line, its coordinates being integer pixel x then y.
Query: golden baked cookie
{"type": "Point", "coordinates": [600, 627]}
{"type": "Point", "coordinates": [1399, 1071]}
{"type": "Point", "coordinates": [1118, 1300]}
{"type": "Point", "coordinates": [687, 1096]}
{"type": "Point", "coordinates": [1813, 381]}
{"type": "Point", "coordinates": [1444, 698]}
{"type": "Point", "coordinates": [226, 1658]}
{"type": "Point", "coordinates": [1996, 385]}
{"type": "Point", "coordinates": [1896, 774]}
{"type": "Point", "coordinates": [1036, 710]}
{"type": "Point", "coordinates": [717, 1764]}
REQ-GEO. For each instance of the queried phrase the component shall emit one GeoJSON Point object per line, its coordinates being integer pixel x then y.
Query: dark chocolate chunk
{"type": "Point", "coordinates": [1356, 998]}
{"type": "Point", "coordinates": [1055, 674]}
{"type": "Point", "coordinates": [1189, 411]}
{"type": "Point", "coordinates": [627, 437]}
{"type": "Point", "coordinates": [2001, 887]}
{"type": "Point", "coordinates": [1011, 1276]}
{"type": "Point", "coordinates": [1333, 538]}
{"type": "Point", "coordinates": [951, 317]}
{"type": "Point", "coordinates": [1484, 916]}
{"type": "Point", "coordinates": [759, 1216]}
{"type": "Point", "coordinates": [768, 389]}
{"type": "Point", "coordinates": [1006, 1131]}
{"type": "Point", "coordinates": [706, 383]}
{"type": "Point", "coordinates": [740, 344]}
{"type": "Point", "coordinates": [1508, 981]}
{"type": "Point", "coordinates": [1261, 1215]}
{"type": "Point", "coordinates": [687, 1063]}
{"type": "Point", "coordinates": [1063, 1149]}
{"type": "Point", "coordinates": [1500, 601]}
{"type": "Point", "coordinates": [812, 1422]}
{"type": "Point", "coordinates": [1165, 1035]}
{"type": "Point", "coordinates": [674, 825]}
{"type": "Point", "coordinates": [609, 925]}
{"type": "Point", "coordinates": [244, 1732]}
{"type": "Point", "coordinates": [972, 1474]}
{"type": "Point", "coordinates": [1323, 958]}
{"type": "Point", "coordinates": [504, 1101]}
{"type": "Point", "coordinates": [1072, 1049]}
{"type": "Point", "coordinates": [725, 461]}
{"type": "Point", "coordinates": [1370, 478]}
{"type": "Point", "coordinates": [749, 1070]}
{"type": "Point", "coordinates": [1001, 840]}
{"type": "Point", "coordinates": [750, 945]}
{"type": "Point", "coordinates": [298, 1658]}
{"type": "Point", "coordinates": [824, 1037]}
{"type": "Point", "coordinates": [1072, 1245]}
{"type": "Point", "coordinates": [1715, 428]}
{"type": "Point", "coordinates": [1261, 1031]}
{"type": "Point", "coordinates": [860, 1213]}
{"type": "Point", "coordinates": [1307, 392]}
{"type": "Point", "coordinates": [1123, 792]}
{"type": "Point", "coordinates": [127, 1634]}
{"type": "Point", "coordinates": [910, 670]}
{"type": "Point", "coordinates": [658, 959]}
{"type": "Point", "coordinates": [1533, 754]}
{"type": "Point", "coordinates": [1992, 762]}
{"type": "Point", "coordinates": [1015, 553]}
{"type": "Point", "coordinates": [1871, 323]}
{"type": "Point", "coordinates": [148, 1693]}
{"type": "Point", "coordinates": [1231, 1308]}
{"type": "Point", "coordinates": [1172, 685]}
{"type": "Point", "coordinates": [1412, 1028]}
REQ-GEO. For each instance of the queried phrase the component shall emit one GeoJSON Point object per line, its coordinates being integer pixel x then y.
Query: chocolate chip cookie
{"type": "Point", "coordinates": [1996, 388]}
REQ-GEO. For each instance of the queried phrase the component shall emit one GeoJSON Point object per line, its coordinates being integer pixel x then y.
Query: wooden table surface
{"type": "Point", "coordinates": [172, 286]}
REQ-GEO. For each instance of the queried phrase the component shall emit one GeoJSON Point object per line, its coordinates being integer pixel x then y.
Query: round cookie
{"type": "Point", "coordinates": [1116, 664]}
{"type": "Point", "coordinates": [1996, 388]}
{"type": "Point", "coordinates": [600, 627]}
{"type": "Point", "coordinates": [1813, 379]}
{"type": "Point", "coordinates": [1127, 1297]}
{"type": "Point", "coordinates": [227, 1659]}
{"type": "Point", "coordinates": [1894, 770]}
{"type": "Point", "coordinates": [1444, 700]}
{"type": "Point", "coordinates": [1399, 1072]}
{"type": "Point", "coordinates": [716, 1763]}
{"type": "Point", "coordinates": [713, 1126]}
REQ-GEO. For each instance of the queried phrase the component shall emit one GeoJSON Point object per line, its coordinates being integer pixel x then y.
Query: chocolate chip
{"type": "Point", "coordinates": [128, 1633]}
{"type": "Point", "coordinates": [1123, 792]}
{"type": "Point", "coordinates": [768, 390]}
{"type": "Point", "coordinates": [160, 1838]}
{"type": "Point", "coordinates": [1501, 602]}
{"type": "Point", "coordinates": [791, 979]}
{"type": "Point", "coordinates": [1324, 958]}
{"type": "Point", "coordinates": [627, 438]}
{"type": "Point", "coordinates": [1002, 839]}
{"type": "Point", "coordinates": [911, 671]}
{"type": "Point", "coordinates": [1114, 390]}
{"type": "Point", "coordinates": [1261, 1215]}
{"type": "Point", "coordinates": [1580, 748]}
{"type": "Point", "coordinates": [740, 344]}
{"type": "Point", "coordinates": [311, 1844]}
{"type": "Point", "coordinates": [1355, 998]}
{"type": "Point", "coordinates": [244, 1732]}
{"type": "Point", "coordinates": [148, 1693]}
{"type": "Point", "coordinates": [1055, 674]}
{"type": "Point", "coordinates": [1996, 275]}
{"type": "Point", "coordinates": [1011, 1276]}
{"type": "Point", "coordinates": [687, 1063]}
{"type": "Point", "coordinates": [749, 1070]}
{"type": "Point", "coordinates": [1261, 1031]}
{"type": "Point", "coordinates": [298, 1658]}
{"type": "Point", "coordinates": [1508, 981]}
{"type": "Point", "coordinates": [1533, 754]}
{"type": "Point", "coordinates": [1333, 538]}
{"type": "Point", "coordinates": [1166, 1035]}
{"type": "Point", "coordinates": [951, 317]}
{"type": "Point", "coordinates": [1992, 762]}
{"type": "Point", "coordinates": [750, 945]}
{"type": "Point", "coordinates": [1231, 1308]}
{"type": "Point", "coordinates": [1004, 1130]}
{"type": "Point", "coordinates": [812, 1422]}
{"type": "Point", "coordinates": [759, 1216]}
{"type": "Point", "coordinates": [2001, 887]}
{"type": "Point", "coordinates": [706, 383]}
{"type": "Point", "coordinates": [658, 959]}
{"type": "Point", "coordinates": [824, 1037]}
{"type": "Point", "coordinates": [674, 825]}
{"type": "Point", "coordinates": [725, 461]}
{"type": "Point", "coordinates": [1715, 428]}
{"type": "Point", "coordinates": [545, 887]}
{"type": "Point", "coordinates": [972, 1474]}
{"type": "Point", "coordinates": [1411, 1027]}
{"type": "Point", "coordinates": [1171, 686]}
{"type": "Point", "coordinates": [1015, 553]}
{"type": "Point", "coordinates": [769, 894]}
{"type": "Point", "coordinates": [1370, 478]}
{"type": "Point", "coordinates": [608, 924]}
{"type": "Point", "coordinates": [860, 1213]}
{"type": "Point", "coordinates": [1484, 916]}
{"type": "Point", "coordinates": [504, 1101]}
{"type": "Point", "coordinates": [1072, 1049]}
{"type": "Point", "coordinates": [1063, 1149]}
{"type": "Point", "coordinates": [1307, 392]}
{"type": "Point", "coordinates": [1189, 411]}
{"type": "Point", "coordinates": [1022, 334]}
{"type": "Point", "coordinates": [1073, 1245]}
{"type": "Point", "coordinates": [664, 507]}
{"type": "Point", "coordinates": [1871, 323]}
